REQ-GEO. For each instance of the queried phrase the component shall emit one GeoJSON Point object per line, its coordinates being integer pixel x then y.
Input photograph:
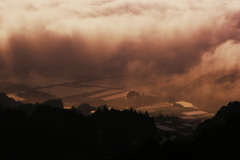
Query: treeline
{"type": "Point", "coordinates": [55, 133]}
{"type": "Point", "coordinates": [48, 133]}
{"type": "Point", "coordinates": [108, 134]}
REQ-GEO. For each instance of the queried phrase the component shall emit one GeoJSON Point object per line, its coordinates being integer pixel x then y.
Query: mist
{"type": "Point", "coordinates": [189, 49]}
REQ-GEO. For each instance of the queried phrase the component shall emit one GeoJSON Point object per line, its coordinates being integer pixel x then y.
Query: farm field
{"type": "Point", "coordinates": [99, 90]}
{"type": "Point", "coordinates": [115, 96]}
{"type": "Point", "coordinates": [105, 93]}
{"type": "Point", "coordinates": [168, 109]}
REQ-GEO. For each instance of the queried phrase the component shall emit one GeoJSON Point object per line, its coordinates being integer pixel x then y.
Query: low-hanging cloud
{"type": "Point", "coordinates": [177, 41]}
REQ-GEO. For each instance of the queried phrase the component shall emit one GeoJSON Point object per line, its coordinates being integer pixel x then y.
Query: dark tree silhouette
{"type": "Point", "coordinates": [56, 133]}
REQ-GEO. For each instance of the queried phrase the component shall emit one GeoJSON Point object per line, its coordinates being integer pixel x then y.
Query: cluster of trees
{"type": "Point", "coordinates": [48, 132]}
{"type": "Point", "coordinates": [135, 99]}
{"type": "Point", "coordinates": [8, 102]}
{"type": "Point", "coordinates": [56, 133]}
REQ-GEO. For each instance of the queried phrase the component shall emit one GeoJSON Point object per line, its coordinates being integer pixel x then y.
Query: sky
{"type": "Point", "coordinates": [174, 42]}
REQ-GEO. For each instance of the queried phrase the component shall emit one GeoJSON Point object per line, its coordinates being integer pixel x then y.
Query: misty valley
{"type": "Point", "coordinates": [118, 92]}
{"type": "Point", "coordinates": [99, 118]}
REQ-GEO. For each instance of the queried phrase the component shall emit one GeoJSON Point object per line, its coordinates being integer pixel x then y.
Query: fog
{"type": "Point", "coordinates": [189, 49]}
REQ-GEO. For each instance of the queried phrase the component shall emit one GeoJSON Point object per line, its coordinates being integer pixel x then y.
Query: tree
{"type": "Point", "coordinates": [146, 113]}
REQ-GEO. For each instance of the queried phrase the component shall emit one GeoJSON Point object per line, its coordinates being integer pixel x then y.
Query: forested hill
{"type": "Point", "coordinates": [56, 133]}
{"type": "Point", "coordinates": [47, 132]}
{"type": "Point", "coordinates": [222, 117]}
{"type": "Point", "coordinates": [6, 101]}
{"type": "Point", "coordinates": [216, 138]}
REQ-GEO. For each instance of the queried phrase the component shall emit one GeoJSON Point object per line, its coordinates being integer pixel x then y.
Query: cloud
{"type": "Point", "coordinates": [175, 41]}
{"type": "Point", "coordinates": [225, 57]}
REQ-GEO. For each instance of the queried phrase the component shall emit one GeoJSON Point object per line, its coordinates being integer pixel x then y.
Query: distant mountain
{"type": "Point", "coordinates": [85, 109]}
{"type": "Point", "coordinates": [6, 101]}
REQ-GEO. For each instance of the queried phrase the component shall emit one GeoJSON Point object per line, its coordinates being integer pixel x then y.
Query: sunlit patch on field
{"type": "Point", "coordinates": [186, 104]}
{"type": "Point", "coordinates": [106, 93]}
{"type": "Point", "coordinates": [155, 108]}
{"type": "Point", "coordinates": [115, 96]}
{"type": "Point", "coordinates": [193, 113]}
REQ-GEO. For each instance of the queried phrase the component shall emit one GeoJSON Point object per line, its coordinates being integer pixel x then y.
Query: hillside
{"type": "Point", "coordinates": [55, 133]}
{"type": "Point", "coordinates": [6, 101]}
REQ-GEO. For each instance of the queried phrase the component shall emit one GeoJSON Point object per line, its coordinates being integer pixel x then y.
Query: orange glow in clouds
{"type": "Point", "coordinates": [177, 40]}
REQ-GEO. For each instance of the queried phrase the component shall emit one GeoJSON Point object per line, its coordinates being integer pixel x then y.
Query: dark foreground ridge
{"type": "Point", "coordinates": [56, 133]}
